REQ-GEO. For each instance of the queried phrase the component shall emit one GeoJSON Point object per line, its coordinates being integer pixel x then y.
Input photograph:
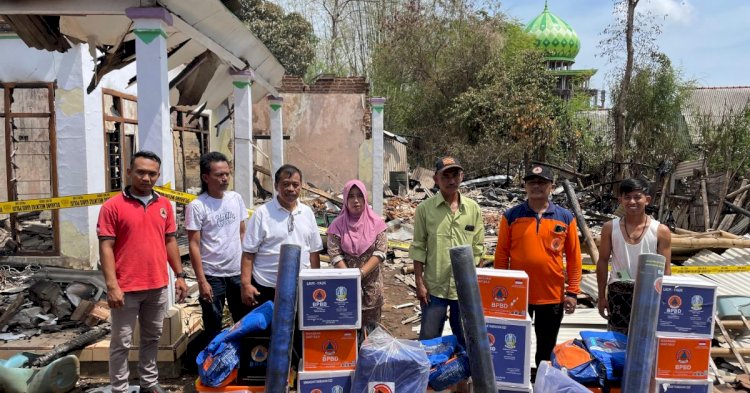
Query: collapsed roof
{"type": "Point", "coordinates": [205, 42]}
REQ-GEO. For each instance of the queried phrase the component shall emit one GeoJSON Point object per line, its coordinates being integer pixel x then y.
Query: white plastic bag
{"type": "Point", "coordinates": [387, 364]}
{"type": "Point", "coordinates": [552, 380]}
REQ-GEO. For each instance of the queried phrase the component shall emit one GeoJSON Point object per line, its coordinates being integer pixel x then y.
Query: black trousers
{"type": "Point", "coordinates": [268, 293]}
{"type": "Point", "coordinates": [547, 320]}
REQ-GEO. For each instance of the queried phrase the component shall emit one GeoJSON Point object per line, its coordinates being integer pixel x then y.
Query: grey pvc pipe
{"type": "Point", "coordinates": [640, 360]}
{"type": "Point", "coordinates": [282, 327]}
{"type": "Point", "coordinates": [472, 319]}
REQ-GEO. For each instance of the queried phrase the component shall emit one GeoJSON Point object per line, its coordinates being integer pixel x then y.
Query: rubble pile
{"type": "Point", "coordinates": [33, 233]}
{"type": "Point", "coordinates": [31, 304]}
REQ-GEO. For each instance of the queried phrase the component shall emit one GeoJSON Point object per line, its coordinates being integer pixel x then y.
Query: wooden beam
{"type": "Point", "coordinates": [593, 250]}
{"type": "Point", "coordinates": [306, 187]}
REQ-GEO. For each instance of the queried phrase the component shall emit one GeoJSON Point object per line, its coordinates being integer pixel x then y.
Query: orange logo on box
{"type": "Point", "coordinates": [316, 391]}
{"type": "Point", "coordinates": [328, 350]}
{"type": "Point", "coordinates": [503, 296]}
{"type": "Point", "coordinates": [501, 293]}
{"type": "Point", "coordinates": [319, 295]}
{"type": "Point", "coordinates": [381, 388]}
{"type": "Point", "coordinates": [259, 353]}
{"type": "Point", "coordinates": [674, 301]}
{"type": "Point", "coordinates": [491, 337]}
{"type": "Point", "coordinates": [682, 358]}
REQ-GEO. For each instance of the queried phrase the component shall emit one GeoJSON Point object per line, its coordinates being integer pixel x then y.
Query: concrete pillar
{"type": "Point", "coordinates": [243, 134]}
{"type": "Point", "coordinates": [80, 144]}
{"type": "Point", "coordinates": [154, 131]}
{"type": "Point", "coordinates": [377, 104]}
{"type": "Point", "coordinates": [277, 134]}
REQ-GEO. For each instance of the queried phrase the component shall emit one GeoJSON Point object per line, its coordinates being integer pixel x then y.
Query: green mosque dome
{"type": "Point", "coordinates": [555, 36]}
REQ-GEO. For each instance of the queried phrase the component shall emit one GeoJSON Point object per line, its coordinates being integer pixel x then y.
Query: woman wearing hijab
{"type": "Point", "coordinates": [357, 239]}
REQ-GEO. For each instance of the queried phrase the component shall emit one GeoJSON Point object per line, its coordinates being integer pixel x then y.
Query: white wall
{"type": "Point", "coordinates": [80, 134]}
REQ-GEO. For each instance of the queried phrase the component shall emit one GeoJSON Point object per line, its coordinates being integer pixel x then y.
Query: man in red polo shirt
{"type": "Point", "coordinates": [136, 232]}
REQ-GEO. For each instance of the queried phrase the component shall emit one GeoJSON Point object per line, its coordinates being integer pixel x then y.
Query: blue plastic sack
{"type": "Point", "coordinates": [576, 360]}
{"type": "Point", "coordinates": [608, 350]}
{"type": "Point", "coordinates": [451, 372]}
{"type": "Point", "coordinates": [388, 364]}
{"type": "Point", "coordinates": [440, 349]}
{"type": "Point", "coordinates": [214, 367]}
{"type": "Point", "coordinates": [221, 355]}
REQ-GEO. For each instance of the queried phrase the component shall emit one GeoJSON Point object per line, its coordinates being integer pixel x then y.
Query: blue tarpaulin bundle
{"type": "Point", "coordinates": [451, 372]}
{"type": "Point", "coordinates": [389, 364]}
{"type": "Point", "coordinates": [221, 356]}
{"type": "Point", "coordinates": [608, 350]}
{"type": "Point", "coordinates": [440, 349]}
{"type": "Point", "coordinates": [576, 360]}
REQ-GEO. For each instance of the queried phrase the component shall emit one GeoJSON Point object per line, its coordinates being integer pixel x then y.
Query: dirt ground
{"type": "Point", "coordinates": [395, 292]}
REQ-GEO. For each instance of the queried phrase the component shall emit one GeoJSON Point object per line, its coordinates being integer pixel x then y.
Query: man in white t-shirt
{"type": "Point", "coordinates": [215, 223]}
{"type": "Point", "coordinates": [625, 239]}
{"type": "Point", "coordinates": [281, 220]}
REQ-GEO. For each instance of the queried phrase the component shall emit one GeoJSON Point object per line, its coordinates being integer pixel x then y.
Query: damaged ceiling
{"type": "Point", "coordinates": [205, 41]}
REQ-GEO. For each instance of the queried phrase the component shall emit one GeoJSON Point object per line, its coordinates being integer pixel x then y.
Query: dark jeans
{"type": "Point", "coordinates": [223, 288]}
{"type": "Point", "coordinates": [434, 315]}
{"type": "Point", "coordinates": [266, 294]}
{"type": "Point", "coordinates": [546, 326]}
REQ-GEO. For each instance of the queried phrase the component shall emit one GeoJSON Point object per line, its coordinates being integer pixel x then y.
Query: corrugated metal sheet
{"type": "Point", "coordinates": [394, 155]}
{"type": "Point", "coordinates": [713, 104]}
{"type": "Point", "coordinates": [686, 169]}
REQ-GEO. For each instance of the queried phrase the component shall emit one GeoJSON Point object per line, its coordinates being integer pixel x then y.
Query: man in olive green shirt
{"type": "Point", "coordinates": [446, 220]}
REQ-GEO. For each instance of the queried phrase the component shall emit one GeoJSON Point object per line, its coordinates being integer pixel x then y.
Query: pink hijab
{"type": "Point", "coordinates": [357, 233]}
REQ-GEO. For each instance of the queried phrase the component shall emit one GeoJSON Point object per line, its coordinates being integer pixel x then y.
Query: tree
{"type": "Point", "coordinates": [514, 101]}
{"type": "Point", "coordinates": [289, 37]}
{"type": "Point", "coordinates": [654, 126]}
{"type": "Point", "coordinates": [639, 33]}
{"type": "Point", "coordinates": [427, 58]}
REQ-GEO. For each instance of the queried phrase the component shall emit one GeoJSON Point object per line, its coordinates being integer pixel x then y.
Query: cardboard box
{"type": "Point", "coordinates": [682, 386]}
{"type": "Point", "coordinates": [502, 388]}
{"type": "Point", "coordinates": [171, 330]}
{"type": "Point", "coordinates": [510, 347]}
{"type": "Point", "coordinates": [253, 361]}
{"type": "Point", "coordinates": [687, 307]}
{"type": "Point", "coordinates": [682, 358]}
{"type": "Point", "coordinates": [324, 381]}
{"type": "Point", "coordinates": [330, 299]}
{"type": "Point", "coordinates": [329, 350]}
{"type": "Point", "coordinates": [505, 293]}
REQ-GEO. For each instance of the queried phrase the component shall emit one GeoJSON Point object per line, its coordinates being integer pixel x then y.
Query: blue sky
{"type": "Point", "coordinates": [708, 40]}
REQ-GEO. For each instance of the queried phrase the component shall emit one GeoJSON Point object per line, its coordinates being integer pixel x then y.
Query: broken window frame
{"type": "Point", "coordinates": [178, 134]}
{"type": "Point", "coordinates": [7, 116]}
{"type": "Point", "coordinates": [117, 101]}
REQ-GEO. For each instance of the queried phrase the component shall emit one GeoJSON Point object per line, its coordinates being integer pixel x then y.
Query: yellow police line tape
{"type": "Point", "coordinates": [184, 198]}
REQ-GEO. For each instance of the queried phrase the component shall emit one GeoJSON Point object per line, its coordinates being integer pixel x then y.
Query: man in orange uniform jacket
{"type": "Point", "coordinates": [533, 237]}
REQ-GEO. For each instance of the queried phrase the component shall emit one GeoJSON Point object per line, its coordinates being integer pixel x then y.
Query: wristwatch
{"type": "Point", "coordinates": [182, 275]}
{"type": "Point", "coordinates": [571, 294]}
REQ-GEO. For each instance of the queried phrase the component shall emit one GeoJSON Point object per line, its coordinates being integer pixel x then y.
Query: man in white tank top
{"type": "Point", "coordinates": [624, 239]}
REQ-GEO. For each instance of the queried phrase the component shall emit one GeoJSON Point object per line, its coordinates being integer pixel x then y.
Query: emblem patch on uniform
{"type": "Point", "coordinates": [163, 213]}
{"type": "Point", "coordinates": [536, 170]}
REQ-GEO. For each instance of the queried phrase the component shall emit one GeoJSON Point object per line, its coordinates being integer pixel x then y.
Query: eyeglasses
{"type": "Point", "coordinates": [290, 223]}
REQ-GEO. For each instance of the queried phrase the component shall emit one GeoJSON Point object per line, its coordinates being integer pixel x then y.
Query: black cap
{"type": "Point", "coordinates": [539, 171]}
{"type": "Point", "coordinates": [447, 162]}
